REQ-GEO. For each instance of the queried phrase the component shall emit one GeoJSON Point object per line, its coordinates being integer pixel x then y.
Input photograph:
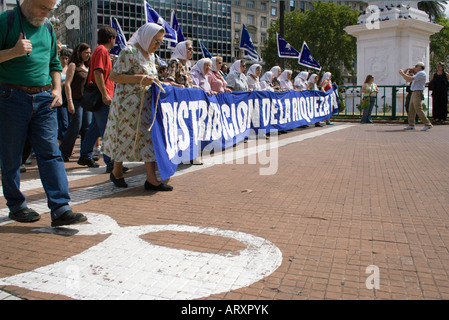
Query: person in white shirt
{"type": "Point", "coordinates": [417, 87]}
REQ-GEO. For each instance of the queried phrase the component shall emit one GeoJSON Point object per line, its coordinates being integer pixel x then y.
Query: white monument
{"type": "Point", "coordinates": [391, 36]}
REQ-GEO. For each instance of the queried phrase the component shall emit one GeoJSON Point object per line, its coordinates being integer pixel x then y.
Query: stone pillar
{"type": "Point", "coordinates": [391, 36]}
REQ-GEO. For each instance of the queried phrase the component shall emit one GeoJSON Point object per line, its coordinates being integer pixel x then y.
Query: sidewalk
{"type": "Point", "coordinates": [352, 212]}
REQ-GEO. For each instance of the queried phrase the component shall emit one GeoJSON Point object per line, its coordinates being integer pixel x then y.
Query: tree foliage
{"type": "Point", "coordinates": [439, 44]}
{"type": "Point", "coordinates": [322, 28]}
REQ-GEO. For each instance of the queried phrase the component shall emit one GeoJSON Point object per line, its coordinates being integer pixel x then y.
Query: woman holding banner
{"type": "Point", "coordinates": [301, 81]}
{"type": "Point", "coordinates": [127, 136]}
{"type": "Point", "coordinates": [276, 74]}
{"type": "Point", "coordinates": [312, 82]}
{"type": "Point", "coordinates": [236, 78]}
{"type": "Point", "coordinates": [179, 65]}
{"type": "Point", "coordinates": [326, 84]}
{"type": "Point", "coordinates": [285, 80]}
{"type": "Point", "coordinates": [216, 78]}
{"type": "Point", "coordinates": [266, 82]}
{"type": "Point", "coordinates": [200, 75]}
{"type": "Point", "coordinates": [252, 77]}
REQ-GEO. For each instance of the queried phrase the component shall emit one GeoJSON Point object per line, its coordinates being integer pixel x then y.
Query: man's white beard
{"type": "Point", "coordinates": [36, 22]}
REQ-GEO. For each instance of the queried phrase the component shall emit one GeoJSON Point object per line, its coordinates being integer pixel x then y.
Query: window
{"type": "Point", "coordinates": [237, 17]}
{"type": "Point", "coordinates": [263, 6]}
{"type": "Point", "coordinates": [274, 11]}
{"type": "Point", "coordinates": [263, 22]}
{"type": "Point", "coordinates": [263, 37]}
{"type": "Point", "coordinates": [251, 19]}
{"type": "Point", "coordinates": [250, 4]}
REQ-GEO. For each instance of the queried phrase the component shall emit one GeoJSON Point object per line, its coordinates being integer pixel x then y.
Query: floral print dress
{"type": "Point", "coordinates": [120, 135]}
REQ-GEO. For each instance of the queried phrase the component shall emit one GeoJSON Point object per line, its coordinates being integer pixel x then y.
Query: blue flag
{"type": "Point", "coordinates": [152, 16]}
{"type": "Point", "coordinates": [249, 51]}
{"type": "Point", "coordinates": [285, 50]}
{"type": "Point", "coordinates": [120, 41]}
{"type": "Point", "coordinates": [206, 53]}
{"type": "Point", "coordinates": [175, 25]}
{"type": "Point", "coordinates": [306, 59]}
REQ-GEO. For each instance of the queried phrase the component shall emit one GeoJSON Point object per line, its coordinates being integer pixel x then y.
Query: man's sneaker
{"type": "Point", "coordinates": [426, 128]}
{"type": "Point", "coordinates": [24, 215]}
{"type": "Point", "coordinates": [410, 128]}
{"type": "Point", "coordinates": [68, 218]}
{"type": "Point", "coordinates": [88, 162]}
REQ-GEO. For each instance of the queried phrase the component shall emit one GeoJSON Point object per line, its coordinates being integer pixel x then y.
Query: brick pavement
{"type": "Point", "coordinates": [351, 197]}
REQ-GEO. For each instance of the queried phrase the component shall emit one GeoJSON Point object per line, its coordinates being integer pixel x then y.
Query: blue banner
{"type": "Point", "coordinates": [189, 121]}
{"type": "Point", "coordinates": [306, 59]}
{"type": "Point", "coordinates": [285, 50]}
{"type": "Point", "coordinates": [120, 40]}
{"type": "Point", "coordinates": [249, 51]}
{"type": "Point", "coordinates": [206, 53]}
{"type": "Point", "coordinates": [153, 17]}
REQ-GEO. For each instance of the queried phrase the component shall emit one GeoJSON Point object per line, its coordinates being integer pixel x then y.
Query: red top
{"type": "Point", "coordinates": [100, 60]}
{"type": "Point", "coordinates": [327, 85]}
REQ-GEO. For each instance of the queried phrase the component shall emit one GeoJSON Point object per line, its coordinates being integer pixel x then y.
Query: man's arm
{"type": "Point", "coordinates": [22, 47]}
{"type": "Point", "coordinates": [56, 89]}
{"type": "Point", "coordinates": [405, 76]}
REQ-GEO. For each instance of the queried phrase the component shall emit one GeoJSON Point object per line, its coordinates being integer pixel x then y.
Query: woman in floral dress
{"type": "Point", "coordinates": [125, 139]}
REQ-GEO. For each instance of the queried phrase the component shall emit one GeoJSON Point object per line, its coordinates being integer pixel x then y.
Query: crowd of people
{"type": "Point", "coordinates": [34, 84]}
{"type": "Point", "coordinates": [121, 82]}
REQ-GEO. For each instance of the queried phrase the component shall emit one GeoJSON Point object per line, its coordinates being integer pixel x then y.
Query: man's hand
{"type": "Point", "coordinates": [22, 47]}
{"type": "Point", "coordinates": [107, 100]}
{"type": "Point", "coordinates": [57, 101]}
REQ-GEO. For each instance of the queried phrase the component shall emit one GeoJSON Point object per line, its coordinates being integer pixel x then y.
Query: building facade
{"type": "Point", "coordinates": [205, 21]}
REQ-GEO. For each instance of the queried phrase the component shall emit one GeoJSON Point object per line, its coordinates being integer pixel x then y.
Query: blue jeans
{"type": "Point", "coordinates": [80, 120]}
{"type": "Point", "coordinates": [25, 115]}
{"type": "Point", "coordinates": [366, 116]}
{"type": "Point", "coordinates": [63, 122]}
{"type": "Point", "coordinates": [96, 129]}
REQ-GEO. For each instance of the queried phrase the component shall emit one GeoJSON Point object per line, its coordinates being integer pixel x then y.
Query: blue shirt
{"type": "Point", "coordinates": [419, 84]}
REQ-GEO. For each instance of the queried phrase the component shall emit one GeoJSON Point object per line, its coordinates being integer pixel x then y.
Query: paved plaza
{"type": "Point", "coordinates": [341, 212]}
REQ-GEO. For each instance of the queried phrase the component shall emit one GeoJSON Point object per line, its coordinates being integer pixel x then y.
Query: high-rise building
{"type": "Point", "coordinates": [207, 21]}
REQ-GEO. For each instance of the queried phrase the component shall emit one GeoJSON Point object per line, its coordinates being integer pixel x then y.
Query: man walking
{"type": "Point", "coordinates": [418, 84]}
{"type": "Point", "coordinates": [100, 69]}
{"type": "Point", "coordinates": [30, 89]}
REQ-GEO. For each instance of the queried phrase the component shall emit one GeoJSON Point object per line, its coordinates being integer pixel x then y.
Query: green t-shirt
{"type": "Point", "coordinates": [35, 69]}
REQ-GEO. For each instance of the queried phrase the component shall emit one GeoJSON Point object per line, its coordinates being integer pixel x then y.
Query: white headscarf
{"type": "Point", "coordinates": [199, 66]}
{"type": "Point", "coordinates": [252, 70]}
{"type": "Point", "coordinates": [301, 78]}
{"type": "Point", "coordinates": [276, 71]}
{"type": "Point", "coordinates": [214, 64]}
{"type": "Point", "coordinates": [236, 67]}
{"type": "Point", "coordinates": [312, 78]}
{"type": "Point", "coordinates": [145, 34]}
{"type": "Point", "coordinates": [285, 83]}
{"type": "Point", "coordinates": [267, 77]}
{"type": "Point", "coordinates": [180, 51]}
{"type": "Point", "coordinates": [326, 76]}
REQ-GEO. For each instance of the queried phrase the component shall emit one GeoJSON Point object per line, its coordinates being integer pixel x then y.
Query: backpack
{"type": "Point", "coordinates": [10, 23]}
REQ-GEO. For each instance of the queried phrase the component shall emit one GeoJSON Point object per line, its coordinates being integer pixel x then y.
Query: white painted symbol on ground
{"type": "Point", "coordinates": [124, 266]}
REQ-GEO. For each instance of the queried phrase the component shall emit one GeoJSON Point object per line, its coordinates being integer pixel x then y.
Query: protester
{"type": "Point", "coordinates": [266, 81]}
{"type": "Point", "coordinates": [439, 85]}
{"type": "Point", "coordinates": [285, 80]}
{"type": "Point", "coordinates": [63, 114]}
{"type": "Point", "coordinates": [326, 84]}
{"type": "Point", "coordinates": [100, 68]}
{"type": "Point", "coordinates": [78, 70]}
{"type": "Point", "coordinates": [30, 81]}
{"type": "Point", "coordinates": [300, 83]}
{"type": "Point", "coordinates": [312, 82]}
{"type": "Point", "coordinates": [369, 90]}
{"type": "Point", "coordinates": [236, 78]}
{"type": "Point", "coordinates": [417, 88]}
{"type": "Point", "coordinates": [200, 75]}
{"type": "Point", "coordinates": [252, 77]}
{"type": "Point", "coordinates": [127, 136]}
{"type": "Point", "coordinates": [276, 70]}
{"type": "Point", "coordinates": [179, 65]}
{"type": "Point", "coordinates": [216, 78]}
{"type": "Point", "coordinates": [224, 71]}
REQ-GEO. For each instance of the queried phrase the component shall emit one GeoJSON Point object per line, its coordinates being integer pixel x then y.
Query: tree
{"type": "Point", "coordinates": [439, 44]}
{"type": "Point", "coordinates": [322, 28]}
{"type": "Point", "coordinates": [435, 9]}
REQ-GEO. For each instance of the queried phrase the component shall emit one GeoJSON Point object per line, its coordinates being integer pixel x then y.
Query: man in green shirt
{"type": "Point", "coordinates": [30, 89]}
